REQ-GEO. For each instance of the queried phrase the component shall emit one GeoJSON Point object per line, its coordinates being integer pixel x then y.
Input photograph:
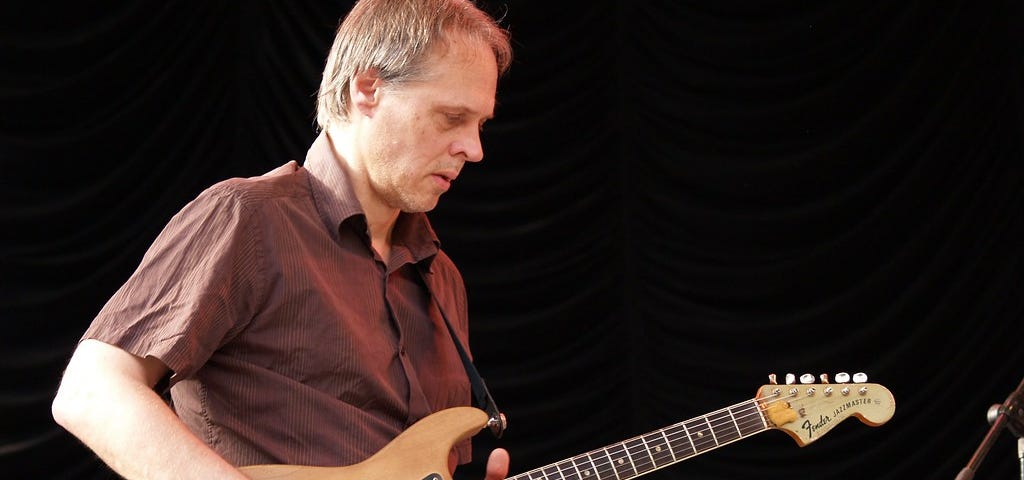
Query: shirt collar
{"type": "Point", "coordinates": [336, 202]}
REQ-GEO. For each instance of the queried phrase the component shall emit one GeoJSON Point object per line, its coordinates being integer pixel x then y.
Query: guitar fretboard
{"type": "Point", "coordinates": [660, 448]}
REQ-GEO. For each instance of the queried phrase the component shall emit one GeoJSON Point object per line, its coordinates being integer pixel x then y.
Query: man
{"type": "Point", "coordinates": [298, 316]}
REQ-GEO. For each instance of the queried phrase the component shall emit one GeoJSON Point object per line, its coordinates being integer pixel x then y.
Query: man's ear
{"type": "Point", "coordinates": [364, 90]}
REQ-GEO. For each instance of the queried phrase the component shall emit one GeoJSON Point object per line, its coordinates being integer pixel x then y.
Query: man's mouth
{"type": "Point", "coordinates": [443, 181]}
{"type": "Point", "coordinates": [445, 178]}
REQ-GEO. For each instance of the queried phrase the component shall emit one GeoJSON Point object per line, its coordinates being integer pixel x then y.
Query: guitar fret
{"type": "Point", "coordinates": [722, 426]}
{"type": "Point", "coordinates": [629, 456]}
{"type": "Point", "coordinates": [705, 437]}
{"type": "Point", "coordinates": [700, 435]}
{"type": "Point", "coordinates": [712, 430]}
{"type": "Point", "coordinates": [650, 452]}
{"type": "Point", "coordinates": [671, 451]}
{"type": "Point", "coordinates": [659, 450]}
{"type": "Point", "coordinates": [636, 451]}
{"type": "Point", "coordinates": [621, 462]}
{"type": "Point", "coordinates": [689, 439]}
{"type": "Point", "coordinates": [576, 468]}
{"type": "Point", "coordinates": [737, 425]}
{"type": "Point", "coordinates": [585, 466]}
{"type": "Point", "coordinates": [601, 469]}
{"type": "Point", "coordinates": [611, 463]}
{"type": "Point", "coordinates": [568, 470]}
{"type": "Point", "coordinates": [535, 475]}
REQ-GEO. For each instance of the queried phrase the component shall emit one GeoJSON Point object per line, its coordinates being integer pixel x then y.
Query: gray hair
{"type": "Point", "coordinates": [394, 38]}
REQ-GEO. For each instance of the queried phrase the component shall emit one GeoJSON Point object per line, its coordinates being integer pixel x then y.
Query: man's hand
{"type": "Point", "coordinates": [497, 464]}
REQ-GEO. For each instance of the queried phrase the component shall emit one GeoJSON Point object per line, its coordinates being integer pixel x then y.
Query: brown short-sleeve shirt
{"type": "Point", "coordinates": [288, 339]}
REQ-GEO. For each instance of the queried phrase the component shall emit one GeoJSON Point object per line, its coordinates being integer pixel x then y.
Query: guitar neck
{"type": "Point", "coordinates": [660, 448]}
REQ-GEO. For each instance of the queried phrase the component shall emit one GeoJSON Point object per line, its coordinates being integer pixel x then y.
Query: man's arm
{"type": "Point", "coordinates": [106, 399]}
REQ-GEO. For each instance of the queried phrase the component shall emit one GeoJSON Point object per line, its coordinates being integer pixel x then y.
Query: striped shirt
{"type": "Point", "coordinates": [289, 340]}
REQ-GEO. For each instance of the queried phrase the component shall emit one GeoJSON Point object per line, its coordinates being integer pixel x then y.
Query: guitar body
{"type": "Point", "coordinates": [419, 453]}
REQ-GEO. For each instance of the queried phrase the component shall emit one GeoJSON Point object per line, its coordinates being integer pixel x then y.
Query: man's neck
{"type": "Point", "coordinates": [380, 218]}
{"type": "Point", "coordinates": [380, 232]}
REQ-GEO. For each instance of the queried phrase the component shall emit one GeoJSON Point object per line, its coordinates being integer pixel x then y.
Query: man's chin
{"type": "Point", "coordinates": [421, 206]}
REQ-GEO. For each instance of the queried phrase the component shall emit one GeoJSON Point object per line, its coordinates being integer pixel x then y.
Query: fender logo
{"type": "Point", "coordinates": [810, 428]}
{"type": "Point", "coordinates": [824, 420]}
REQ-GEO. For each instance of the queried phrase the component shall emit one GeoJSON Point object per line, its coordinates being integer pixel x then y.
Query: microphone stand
{"type": "Point", "coordinates": [1010, 415]}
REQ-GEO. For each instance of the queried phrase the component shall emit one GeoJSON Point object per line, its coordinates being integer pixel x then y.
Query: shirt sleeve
{"type": "Point", "coordinates": [196, 287]}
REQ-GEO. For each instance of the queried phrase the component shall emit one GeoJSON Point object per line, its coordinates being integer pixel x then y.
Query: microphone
{"type": "Point", "coordinates": [1009, 415]}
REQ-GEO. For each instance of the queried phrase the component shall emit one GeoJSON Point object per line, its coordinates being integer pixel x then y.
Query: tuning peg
{"type": "Point", "coordinates": [790, 379]}
{"type": "Point", "coordinates": [806, 378]}
{"type": "Point", "coordinates": [772, 379]}
{"type": "Point", "coordinates": [824, 378]}
{"type": "Point", "coordinates": [860, 377]}
{"type": "Point", "coordinates": [842, 377]}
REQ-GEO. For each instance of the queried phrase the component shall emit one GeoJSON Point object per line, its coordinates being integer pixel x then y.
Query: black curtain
{"type": "Point", "coordinates": [678, 198]}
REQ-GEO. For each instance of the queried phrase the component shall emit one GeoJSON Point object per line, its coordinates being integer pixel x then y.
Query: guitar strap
{"type": "Point", "coordinates": [496, 420]}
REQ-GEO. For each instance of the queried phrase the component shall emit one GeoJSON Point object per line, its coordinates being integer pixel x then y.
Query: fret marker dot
{"type": "Point", "coordinates": [657, 449]}
{"type": "Point", "coordinates": [586, 473]}
{"type": "Point", "coordinates": [700, 434]}
{"type": "Point", "coordinates": [621, 461]}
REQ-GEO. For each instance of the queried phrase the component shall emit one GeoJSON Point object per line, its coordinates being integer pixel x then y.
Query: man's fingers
{"type": "Point", "coordinates": [497, 464]}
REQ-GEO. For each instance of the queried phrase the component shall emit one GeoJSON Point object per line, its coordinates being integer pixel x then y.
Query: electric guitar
{"type": "Point", "coordinates": [806, 411]}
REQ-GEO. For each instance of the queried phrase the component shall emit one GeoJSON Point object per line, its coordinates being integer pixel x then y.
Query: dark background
{"type": "Point", "coordinates": [679, 198]}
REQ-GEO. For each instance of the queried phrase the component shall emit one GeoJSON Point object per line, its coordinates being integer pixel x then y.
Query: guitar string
{"type": "Point", "coordinates": [674, 433]}
{"type": "Point", "coordinates": [606, 463]}
{"type": "Point", "coordinates": [671, 434]}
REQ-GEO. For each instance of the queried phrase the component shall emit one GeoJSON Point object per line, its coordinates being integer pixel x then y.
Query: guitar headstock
{"type": "Point", "coordinates": [807, 411]}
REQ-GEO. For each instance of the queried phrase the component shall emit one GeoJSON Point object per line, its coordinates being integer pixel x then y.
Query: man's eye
{"type": "Point", "coordinates": [453, 118]}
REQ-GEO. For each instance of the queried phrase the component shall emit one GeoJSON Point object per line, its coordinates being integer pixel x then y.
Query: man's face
{"type": "Point", "coordinates": [421, 133]}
